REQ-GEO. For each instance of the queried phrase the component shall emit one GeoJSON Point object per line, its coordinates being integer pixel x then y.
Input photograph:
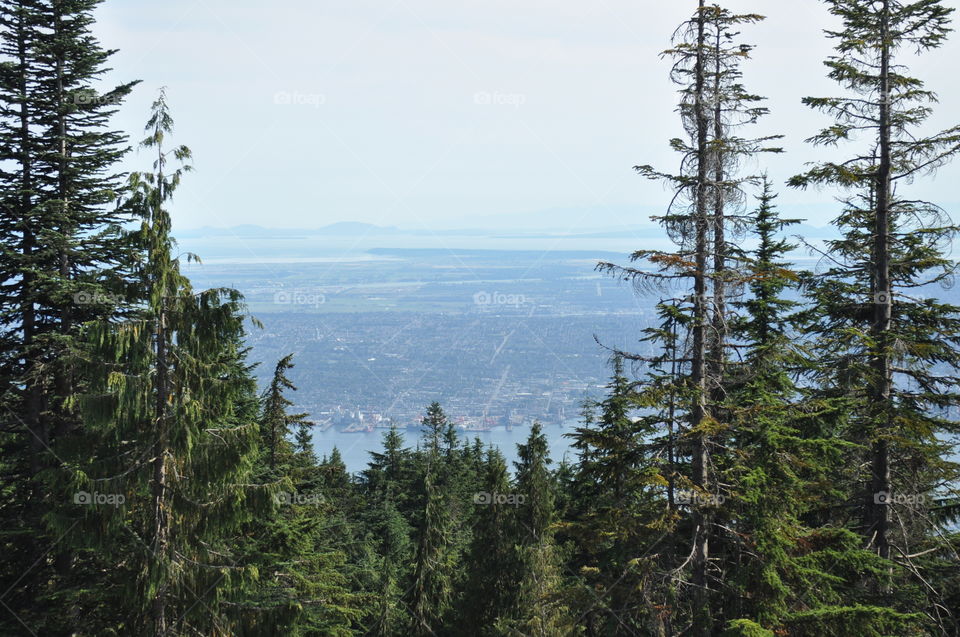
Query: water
{"type": "Point", "coordinates": [356, 447]}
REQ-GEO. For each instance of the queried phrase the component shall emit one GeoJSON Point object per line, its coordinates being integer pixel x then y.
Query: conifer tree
{"type": "Point", "coordinates": [389, 475]}
{"type": "Point", "coordinates": [704, 215]}
{"type": "Point", "coordinates": [784, 571]}
{"type": "Point", "coordinates": [65, 260]}
{"type": "Point", "coordinates": [616, 485]}
{"type": "Point", "coordinates": [431, 590]}
{"type": "Point", "coordinates": [391, 536]}
{"type": "Point", "coordinates": [541, 595]}
{"type": "Point", "coordinates": [301, 588]}
{"type": "Point", "coordinates": [171, 418]}
{"type": "Point", "coordinates": [488, 593]}
{"type": "Point", "coordinates": [884, 342]}
{"type": "Point", "coordinates": [278, 425]}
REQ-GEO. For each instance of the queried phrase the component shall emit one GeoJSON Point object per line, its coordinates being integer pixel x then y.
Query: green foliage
{"type": "Point", "coordinates": [746, 628]}
{"type": "Point", "coordinates": [65, 259]}
{"type": "Point", "coordinates": [725, 484]}
{"type": "Point", "coordinates": [885, 348]}
{"type": "Point", "coordinates": [301, 587]}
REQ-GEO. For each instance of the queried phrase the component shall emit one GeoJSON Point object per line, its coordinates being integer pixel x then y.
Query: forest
{"type": "Point", "coordinates": [785, 464]}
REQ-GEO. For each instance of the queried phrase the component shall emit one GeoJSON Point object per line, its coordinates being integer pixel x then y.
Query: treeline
{"type": "Point", "coordinates": [784, 465]}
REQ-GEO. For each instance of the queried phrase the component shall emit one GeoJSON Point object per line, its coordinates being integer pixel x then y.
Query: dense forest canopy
{"type": "Point", "coordinates": [785, 463]}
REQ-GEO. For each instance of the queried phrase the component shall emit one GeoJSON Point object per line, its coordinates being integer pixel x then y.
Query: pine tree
{"type": "Point", "coordinates": [391, 535]}
{"type": "Point", "coordinates": [388, 473]}
{"type": "Point", "coordinates": [884, 343]}
{"type": "Point", "coordinates": [768, 491]}
{"type": "Point", "coordinates": [616, 488]}
{"type": "Point", "coordinates": [784, 571]}
{"type": "Point", "coordinates": [387, 482]}
{"type": "Point", "coordinates": [432, 589]}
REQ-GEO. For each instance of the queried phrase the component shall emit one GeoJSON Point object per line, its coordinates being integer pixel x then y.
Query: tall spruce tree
{"type": "Point", "coordinates": [431, 590]}
{"type": "Point", "coordinates": [387, 482]}
{"type": "Point", "coordinates": [705, 215]}
{"type": "Point", "coordinates": [616, 485]}
{"type": "Point", "coordinates": [276, 424]}
{"type": "Point", "coordinates": [488, 592]}
{"type": "Point", "coordinates": [886, 343]}
{"type": "Point", "coordinates": [783, 570]}
{"type": "Point", "coordinates": [541, 602]}
{"type": "Point", "coordinates": [65, 260]}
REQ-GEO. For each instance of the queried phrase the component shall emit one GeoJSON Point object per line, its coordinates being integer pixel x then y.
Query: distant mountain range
{"type": "Point", "coordinates": [358, 229]}
{"type": "Point", "coordinates": [343, 228]}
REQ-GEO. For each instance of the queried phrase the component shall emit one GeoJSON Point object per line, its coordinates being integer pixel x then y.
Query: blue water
{"type": "Point", "coordinates": [356, 447]}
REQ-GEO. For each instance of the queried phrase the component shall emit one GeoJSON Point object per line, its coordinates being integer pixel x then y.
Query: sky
{"type": "Point", "coordinates": [432, 114]}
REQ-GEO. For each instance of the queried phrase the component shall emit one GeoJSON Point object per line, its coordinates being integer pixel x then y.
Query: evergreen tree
{"type": "Point", "coordinates": [277, 425]}
{"type": "Point", "coordinates": [784, 571]}
{"type": "Point", "coordinates": [541, 595]}
{"type": "Point", "coordinates": [390, 475]}
{"type": "Point", "coordinates": [171, 418]}
{"type": "Point", "coordinates": [616, 486]}
{"type": "Point", "coordinates": [64, 260]}
{"type": "Point", "coordinates": [387, 482]}
{"type": "Point", "coordinates": [391, 535]}
{"type": "Point", "coordinates": [488, 593]}
{"type": "Point", "coordinates": [704, 216]}
{"type": "Point", "coordinates": [431, 590]}
{"type": "Point", "coordinates": [884, 344]}
{"type": "Point", "coordinates": [301, 588]}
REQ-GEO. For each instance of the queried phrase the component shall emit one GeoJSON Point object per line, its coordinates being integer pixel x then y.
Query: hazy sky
{"type": "Point", "coordinates": [431, 113]}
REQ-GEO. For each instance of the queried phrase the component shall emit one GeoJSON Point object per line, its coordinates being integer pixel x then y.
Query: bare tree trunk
{"type": "Point", "coordinates": [700, 460]}
{"type": "Point", "coordinates": [718, 336]}
{"type": "Point", "coordinates": [878, 514]}
{"type": "Point", "coordinates": [161, 537]}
